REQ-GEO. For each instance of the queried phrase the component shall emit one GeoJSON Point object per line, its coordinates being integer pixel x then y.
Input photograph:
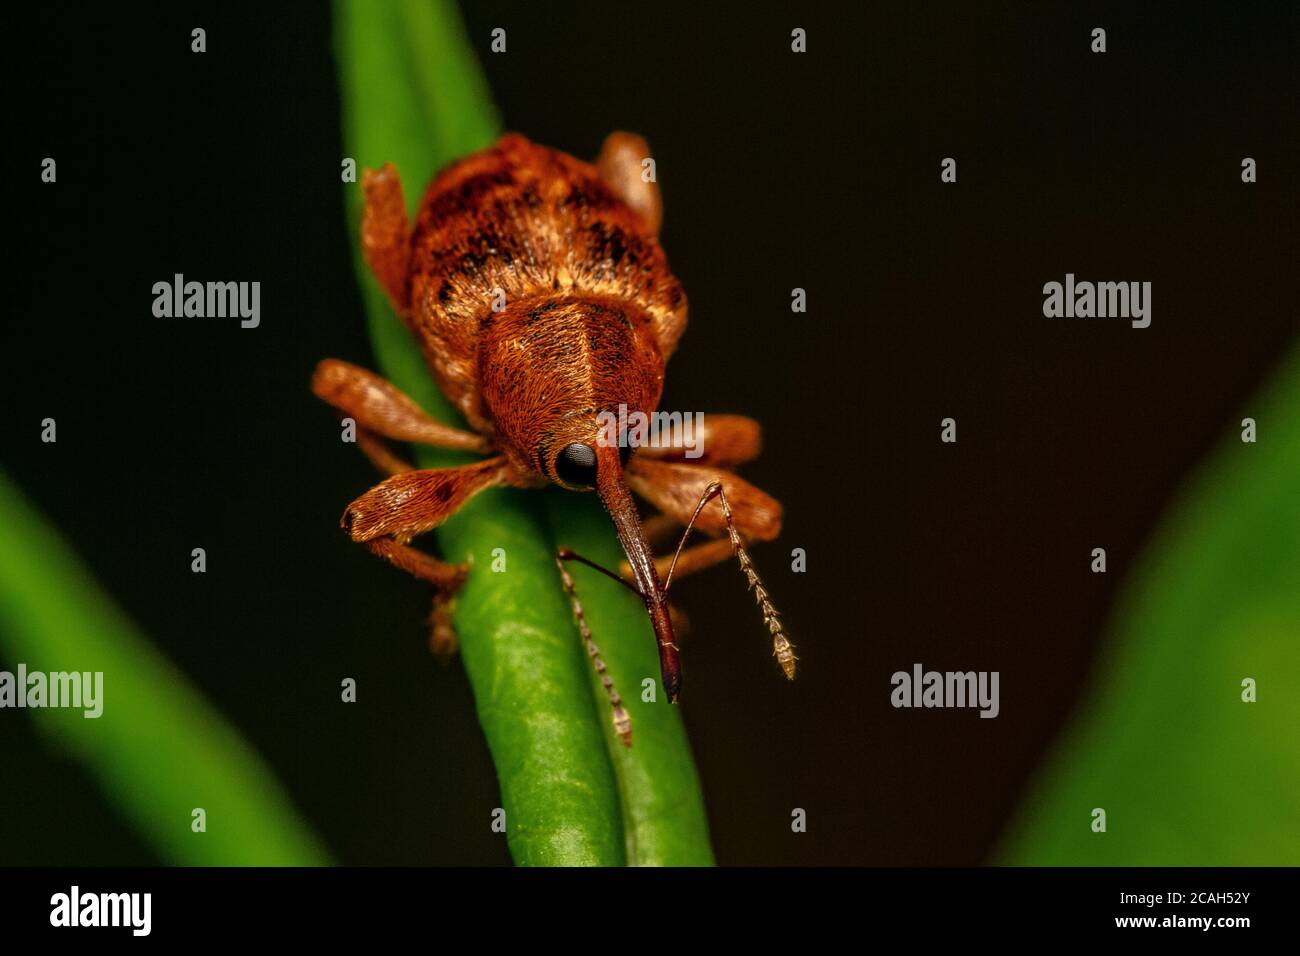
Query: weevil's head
{"type": "Point", "coordinates": [560, 377]}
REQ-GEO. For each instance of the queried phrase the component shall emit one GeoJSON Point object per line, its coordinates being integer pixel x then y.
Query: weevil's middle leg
{"type": "Point", "coordinates": [622, 720]}
{"type": "Point", "coordinates": [388, 516]}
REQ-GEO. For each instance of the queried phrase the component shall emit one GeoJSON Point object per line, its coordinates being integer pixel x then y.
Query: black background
{"type": "Point", "coordinates": [819, 171]}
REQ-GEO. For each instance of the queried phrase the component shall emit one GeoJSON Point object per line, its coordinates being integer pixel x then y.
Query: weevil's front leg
{"type": "Point", "coordinates": [621, 165]}
{"type": "Point", "coordinates": [386, 234]}
{"type": "Point", "coordinates": [388, 516]}
{"type": "Point", "coordinates": [622, 721]}
{"type": "Point", "coordinates": [755, 515]}
{"type": "Point", "coordinates": [381, 409]}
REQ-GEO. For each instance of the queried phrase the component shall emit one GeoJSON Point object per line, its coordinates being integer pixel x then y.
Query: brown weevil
{"type": "Point", "coordinates": [543, 303]}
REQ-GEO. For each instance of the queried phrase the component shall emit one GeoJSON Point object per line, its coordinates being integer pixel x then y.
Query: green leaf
{"type": "Point", "coordinates": [413, 96]}
{"type": "Point", "coordinates": [1186, 772]}
{"type": "Point", "coordinates": [158, 748]}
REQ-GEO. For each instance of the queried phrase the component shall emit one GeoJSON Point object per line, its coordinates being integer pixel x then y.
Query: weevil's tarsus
{"type": "Point", "coordinates": [622, 720]}
{"type": "Point", "coordinates": [442, 631]}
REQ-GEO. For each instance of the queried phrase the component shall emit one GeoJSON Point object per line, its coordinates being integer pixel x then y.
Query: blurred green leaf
{"type": "Point", "coordinates": [158, 748]}
{"type": "Point", "coordinates": [1188, 773]}
{"type": "Point", "coordinates": [413, 95]}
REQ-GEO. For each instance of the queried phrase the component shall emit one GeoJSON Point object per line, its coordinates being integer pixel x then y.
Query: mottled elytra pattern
{"type": "Point", "coordinates": [541, 299]}
{"type": "Point", "coordinates": [535, 224]}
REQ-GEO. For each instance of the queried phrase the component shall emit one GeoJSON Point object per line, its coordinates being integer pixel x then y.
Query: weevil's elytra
{"type": "Point", "coordinates": [591, 315]}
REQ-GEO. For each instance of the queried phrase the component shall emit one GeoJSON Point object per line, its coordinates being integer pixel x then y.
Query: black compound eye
{"type": "Point", "coordinates": [576, 465]}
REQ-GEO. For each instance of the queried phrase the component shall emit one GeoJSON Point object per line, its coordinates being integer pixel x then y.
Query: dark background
{"type": "Point", "coordinates": [819, 171]}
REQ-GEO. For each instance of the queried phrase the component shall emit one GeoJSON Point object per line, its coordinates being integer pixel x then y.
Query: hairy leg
{"type": "Point", "coordinates": [386, 234]}
{"type": "Point", "coordinates": [380, 407]}
{"type": "Point", "coordinates": [620, 165]}
{"type": "Point", "coordinates": [388, 516]}
{"type": "Point", "coordinates": [724, 441]}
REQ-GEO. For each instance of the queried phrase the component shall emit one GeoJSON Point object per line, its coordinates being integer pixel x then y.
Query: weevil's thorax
{"type": "Point", "coordinates": [549, 366]}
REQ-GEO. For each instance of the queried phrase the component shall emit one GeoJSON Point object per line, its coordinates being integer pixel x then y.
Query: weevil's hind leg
{"type": "Point", "coordinates": [386, 234]}
{"type": "Point", "coordinates": [388, 516]}
{"type": "Point", "coordinates": [382, 411]}
{"type": "Point", "coordinates": [622, 720]}
{"type": "Point", "coordinates": [670, 485]}
{"type": "Point", "coordinates": [621, 165]}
